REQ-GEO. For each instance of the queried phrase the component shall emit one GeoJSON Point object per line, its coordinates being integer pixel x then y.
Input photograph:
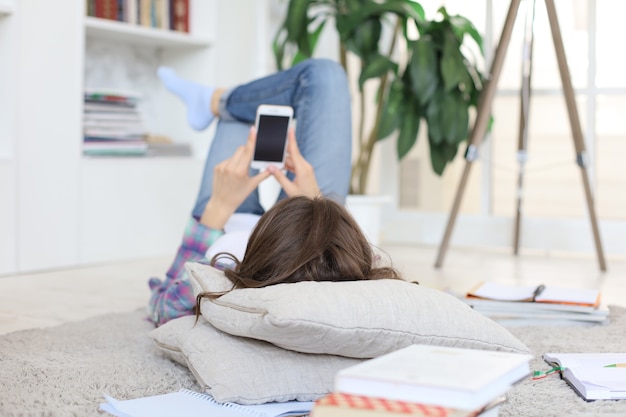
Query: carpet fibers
{"type": "Point", "coordinates": [64, 370]}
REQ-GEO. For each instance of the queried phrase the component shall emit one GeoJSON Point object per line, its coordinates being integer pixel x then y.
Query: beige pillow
{"type": "Point", "coordinates": [247, 371]}
{"type": "Point", "coordinates": [359, 319]}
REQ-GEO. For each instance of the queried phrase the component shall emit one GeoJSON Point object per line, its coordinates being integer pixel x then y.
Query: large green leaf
{"type": "Point", "coordinates": [363, 40]}
{"type": "Point", "coordinates": [440, 155]}
{"type": "Point", "coordinates": [438, 158]}
{"type": "Point", "coordinates": [453, 69]}
{"type": "Point", "coordinates": [313, 38]}
{"type": "Point", "coordinates": [354, 18]}
{"type": "Point", "coordinates": [457, 119]}
{"type": "Point", "coordinates": [296, 21]}
{"type": "Point", "coordinates": [462, 26]}
{"type": "Point", "coordinates": [409, 128]}
{"type": "Point", "coordinates": [418, 12]}
{"type": "Point", "coordinates": [423, 69]}
{"type": "Point", "coordinates": [376, 66]}
{"type": "Point", "coordinates": [278, 46]}
{"type": "Point", "coordinates": [393, 109]}
{"type": "Point", "coordinates": [448, 118]}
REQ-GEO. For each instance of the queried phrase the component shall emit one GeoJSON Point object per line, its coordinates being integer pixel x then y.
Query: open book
{"type": "Point", "coordinates": [194, 404]}
{"type": "Point", "coordinates": [589, 298]}
{"type": "Point", "coordinates": [594, 376]}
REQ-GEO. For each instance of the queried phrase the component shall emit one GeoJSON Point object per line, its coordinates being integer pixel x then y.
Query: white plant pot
{"type": "Point", "coordinates": [366, 210]}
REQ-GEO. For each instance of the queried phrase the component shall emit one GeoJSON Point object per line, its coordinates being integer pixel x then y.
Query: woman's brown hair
{"type": "Point", "coordinates": [304, 239]}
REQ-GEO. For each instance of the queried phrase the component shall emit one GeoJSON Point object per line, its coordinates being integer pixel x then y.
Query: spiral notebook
{"type": "Point", "coordinates": [194, 404]}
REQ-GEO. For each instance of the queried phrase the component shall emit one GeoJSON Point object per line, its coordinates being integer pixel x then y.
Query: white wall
{"type": "Point", "coordinates": [50, 73]}
{"type": "Point", "coordinates": [8, 142]}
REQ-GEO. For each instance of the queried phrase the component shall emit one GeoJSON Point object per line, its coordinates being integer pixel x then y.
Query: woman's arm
{"type": "Point", "coordinates": [174, 297]}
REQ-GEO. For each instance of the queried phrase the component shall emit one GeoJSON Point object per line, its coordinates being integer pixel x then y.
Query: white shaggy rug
{"type": "Point", "coordinates": [64, 370]}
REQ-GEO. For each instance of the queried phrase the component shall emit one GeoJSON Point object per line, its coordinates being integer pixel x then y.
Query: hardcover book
{"type": "Point", "coordinates": [345, 405]}
{"type": "Point", "coordinates": [465, 379]}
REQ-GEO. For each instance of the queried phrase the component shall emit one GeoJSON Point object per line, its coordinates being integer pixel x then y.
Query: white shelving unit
{"type": "Point", "coordinates": [64, 209]}
{"type": "Point", "coordinates": [148, 198]}
{"type": "Point", "coordinates": [59, 209]}
{"type": "Point", "coordinates": [140, 35]}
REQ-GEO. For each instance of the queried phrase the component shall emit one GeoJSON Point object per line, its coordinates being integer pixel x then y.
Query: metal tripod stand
{"type": "Point", "coordinates": [482, 120]}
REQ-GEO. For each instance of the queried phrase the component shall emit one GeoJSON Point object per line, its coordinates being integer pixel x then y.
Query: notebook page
{"type": "Point", "coordinates": [193, 404]}
{"type": "Point", "coordinates": [167, 405]}
{"type": "Point", "coordinates": [503, 292]}
{"type": "Point", "coordinates": [584, 360]}
{"type": "Point", "coordinates": [603, 378]}
{"type": "Point", "coordinates": [569, 295]}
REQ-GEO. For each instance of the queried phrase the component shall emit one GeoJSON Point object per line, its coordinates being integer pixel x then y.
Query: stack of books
{"type": "Point", "coordinates": [425, 380]}
{"type": "Point", "coordinates": [542, 304]}
{"type": "Point", "coordinates": [112, 124]}
{"type": "Point", "coordinates": [160, 14]}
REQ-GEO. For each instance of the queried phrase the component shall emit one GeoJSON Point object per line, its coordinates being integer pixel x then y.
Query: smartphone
{"type": "Point", "coordinates": [272, 125]}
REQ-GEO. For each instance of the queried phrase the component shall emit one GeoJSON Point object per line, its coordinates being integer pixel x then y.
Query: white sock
{"type": "Point", "coordinates": [197, 97]}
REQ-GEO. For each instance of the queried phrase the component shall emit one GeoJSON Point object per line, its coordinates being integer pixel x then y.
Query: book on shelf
{"type": "Point", "coordinates": [594, 376]}
{"type": "Point", "coordinates": [109, 96]}
{"type": "Point", "coordinates": [169, 149]}
{"type": "Point", "coordinates": [96, 110]}
{"type": "Point", "coordinates": [145, 12]}
{"type": "Point", "coordinates": [115, 132]}
{"type": "Point", "coordinates": [188, 403]}
{"type": "Point", "coordinates": [337, 404]}
{"type": "Point", "coordinates": [130, 11]}
{"type": "Point", "coordinates": [465, 379]}
{"type": "Point", "coordinates": [104, 9]}
{"type": "Point", "coordinates": [159, 14]}
{"type": "Point", "coordinates": [103, 119]}
{"type": "Point", "coordinates": [179, 13]}
{"type": "Point", "coordinates": [112, 148]}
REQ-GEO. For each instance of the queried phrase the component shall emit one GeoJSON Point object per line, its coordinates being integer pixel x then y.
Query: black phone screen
{"type": "Point", "coordinates": [270, 139]}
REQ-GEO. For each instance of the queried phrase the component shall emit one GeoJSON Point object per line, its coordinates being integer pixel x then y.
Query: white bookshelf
{"type": "Point", "coordinates": [141, 35]}
{"type": "Point", "coordinates": [146, 199]}
{"type": "Point", "coordinates": [60, 209]}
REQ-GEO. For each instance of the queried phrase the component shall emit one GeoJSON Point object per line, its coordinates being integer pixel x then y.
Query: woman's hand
{"type": "Point", "coordinates": [232, 184]}
{"type": "Point", "coordinates": [304, 182]}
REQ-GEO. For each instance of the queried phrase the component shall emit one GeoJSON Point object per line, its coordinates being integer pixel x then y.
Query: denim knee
{"type": "Point", "coordinates": [326, 73]}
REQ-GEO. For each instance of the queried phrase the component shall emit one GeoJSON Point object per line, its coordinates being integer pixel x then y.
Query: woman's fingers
{"type": "Point", "coordinates": [240, 161]}
{"type": "Point", "coordinates": [289, 187]}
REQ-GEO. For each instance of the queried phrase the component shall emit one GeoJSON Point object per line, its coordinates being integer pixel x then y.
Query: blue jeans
{"type": "Point", "coordinates": [317, 89]}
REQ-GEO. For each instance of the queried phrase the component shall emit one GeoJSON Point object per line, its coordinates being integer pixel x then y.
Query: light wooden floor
{"type": "Point", "coordinates": [55, 297]}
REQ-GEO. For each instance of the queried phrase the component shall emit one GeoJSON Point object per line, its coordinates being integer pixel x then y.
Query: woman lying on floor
{"type": "Point", "coordinates": [307, 234]}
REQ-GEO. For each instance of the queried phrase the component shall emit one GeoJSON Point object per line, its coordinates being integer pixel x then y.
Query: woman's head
{"type": "Point", "coordinates": [304, 239]}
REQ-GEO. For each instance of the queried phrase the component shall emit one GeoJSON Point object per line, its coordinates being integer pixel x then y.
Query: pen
{"type": "Point", "coordinates": [538, 291]}
{"type": "Point", "coordinates": [616, 365]}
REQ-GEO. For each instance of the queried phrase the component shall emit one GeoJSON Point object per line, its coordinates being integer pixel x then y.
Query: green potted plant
{"type": "Point", "coordinates": [423, 68]}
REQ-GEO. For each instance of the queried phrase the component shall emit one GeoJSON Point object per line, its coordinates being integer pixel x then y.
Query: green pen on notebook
{"type": "Point", "coordinates": [616, 365]}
